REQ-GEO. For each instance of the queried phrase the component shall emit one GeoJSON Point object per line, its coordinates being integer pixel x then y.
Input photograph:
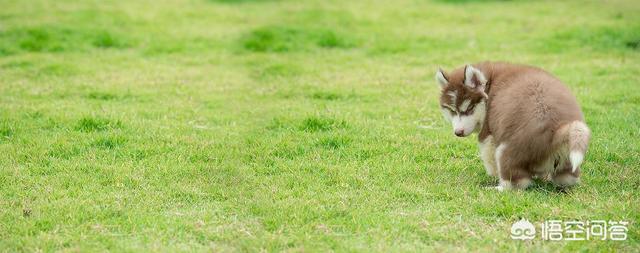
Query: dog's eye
{"type": "Point", "coordinates": [448, 109]}
{"type": "Point", "coordinates": [470, 109]}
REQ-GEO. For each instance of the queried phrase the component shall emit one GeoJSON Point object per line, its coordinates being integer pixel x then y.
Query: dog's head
{"type": "Point", "coordinates": [463, 99]}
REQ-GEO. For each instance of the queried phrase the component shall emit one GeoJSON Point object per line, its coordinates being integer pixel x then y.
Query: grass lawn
{"type": "Point", "coordinates": [201, 125]}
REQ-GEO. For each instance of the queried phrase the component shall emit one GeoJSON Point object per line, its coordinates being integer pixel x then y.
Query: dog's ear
{"type": "Point", "coordinates": [474, 79]}
{"type": "Point", "coordinates": [441, 78]}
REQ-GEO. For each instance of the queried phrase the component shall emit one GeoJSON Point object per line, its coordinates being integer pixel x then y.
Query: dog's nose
{"type": "Point", "coordinates": [460, 132]}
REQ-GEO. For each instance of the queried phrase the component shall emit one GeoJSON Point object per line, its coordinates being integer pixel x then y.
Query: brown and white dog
{"type": "Point", "coordinates": [529, 123]}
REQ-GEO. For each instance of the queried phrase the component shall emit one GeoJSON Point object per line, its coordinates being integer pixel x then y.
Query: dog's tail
{"type": "Point", "coordinates": [576, 135]}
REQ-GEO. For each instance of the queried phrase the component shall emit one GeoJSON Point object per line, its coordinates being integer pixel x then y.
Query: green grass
{"type": "Point", "coordinates": [294, 125]}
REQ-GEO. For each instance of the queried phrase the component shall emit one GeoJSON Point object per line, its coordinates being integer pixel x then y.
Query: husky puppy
{"type": "Point", "coordinates": [528, 122]}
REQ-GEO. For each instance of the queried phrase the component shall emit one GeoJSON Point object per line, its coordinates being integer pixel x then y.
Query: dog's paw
{"type": "Point", "coordinates": [497, 188]}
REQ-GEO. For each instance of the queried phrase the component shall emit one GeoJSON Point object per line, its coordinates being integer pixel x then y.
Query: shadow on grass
{"type": "Point", "coordinates": [538, 185]}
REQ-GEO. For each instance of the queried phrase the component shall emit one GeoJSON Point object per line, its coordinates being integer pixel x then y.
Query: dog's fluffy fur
{"type": "Point", "coordinates": [529, 123]}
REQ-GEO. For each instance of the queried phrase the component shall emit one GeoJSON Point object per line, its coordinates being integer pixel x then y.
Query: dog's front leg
{"type": "Point", "coordinates": [487, 154]}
